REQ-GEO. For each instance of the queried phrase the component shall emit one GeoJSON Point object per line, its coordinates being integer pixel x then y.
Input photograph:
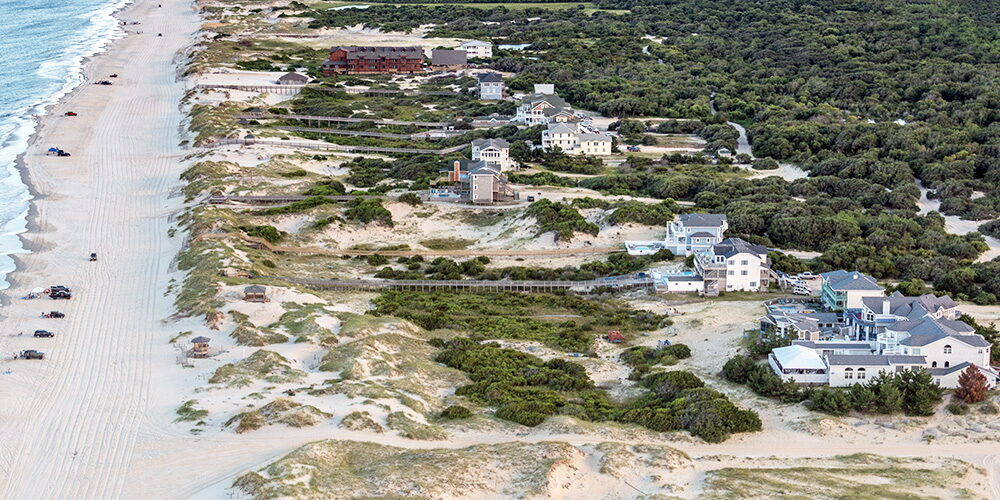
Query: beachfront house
{"type": "Point", "coordinates": [477, 49]}
{"type": "Point", "coordinates": [686, 235]}
{"type": "Point", "coordinates": [734, 265]}
{"type": "Point", "coordinates": [352, 60]}
{"type": "Point", "coordinates": [850, 369]}
{"type": "Point", "coordinates": [476, 182]}
{"type": "Point", "coordinates": [448, 59]}
{"type": "Point", "coordinates": [844, 290]}
{"type": "Point", "coordinates": [576, 138]}
{"type": "Point", "coordinates": [806, 326]}
{"type": "Point", "coordinates": [543, 107]}
{"type": "Point", "coordinates": [495, 152]}
{"type": "Point", "coordinates": [292, 78]}
{"type": "Point", "coordinates": [490, 86]}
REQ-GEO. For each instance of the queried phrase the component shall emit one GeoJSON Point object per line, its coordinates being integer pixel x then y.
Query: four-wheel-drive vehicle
{"type": "Point", "coordinates": [807, 275]}
{"type": "Point", "coordinates": [44, 333]}
{"type": "Point", "coordinates": [70, 113]}
{"type": "Point", "coordinates": [93, 256]}
{"type": "Point", "coordinates": [30, 354]}
{"type": "Point", "coordinates": [54, 314]}
{"type": "Point", "coordinates": [801, 290]}
{"type": "Point", "coordinates": [59, 288]}
{"type": "Point", "coordinates": [60, 294]}
{"type": "Point", "coordinates": [634, 149]}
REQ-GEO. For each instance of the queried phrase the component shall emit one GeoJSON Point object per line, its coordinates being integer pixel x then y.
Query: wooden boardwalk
{"type": "Point", "coordinates": [295, 89]}
{"type": "Point", "coordinates": [617, 282]}
{"type": "Point", "coordinates": [336, 147]}
{"type": "Point", "coordinates": [279, 199]}
{"type": "Point", "coordinates": [552, 252]}
{"type": "Point", "coordinates": [342, 119]}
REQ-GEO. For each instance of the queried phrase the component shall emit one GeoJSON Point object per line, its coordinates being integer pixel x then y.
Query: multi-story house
{"type": "Point", "coordinates": [734, 265]}
{"type": "Point", "coordinates": [540, 109]}
{"type": "Point", "coordinates": [358, 60]}
{"type": "Point", "coordinates": [844, 290]}
{"type": "Point", "coordinates": [687, 235]}
{"type": "Point", "coordinates": [495, 152]}
{"type": "Point", "coordinates": [878, 312]}
{"type": "Point", "coordinates": [478, 182]}
{"type": "Point", "coordinates": [448, 59]}
{"type": "Point", "coordinates": [490, 86]}
{"type": "Point", "coordinates": [575, 138]}
{"type": "Point", "coordinates": [477, 49]}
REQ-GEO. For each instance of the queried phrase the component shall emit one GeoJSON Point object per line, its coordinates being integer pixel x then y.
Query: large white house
{"type": "Point", "coordinates": [490, 86]}
{"type": "Point", "coordinates": [576, 138]}
{"type": "Point", "coordinates": [540, 108]}
{"type": "Point", "coordinates": [477, 48]}
{"type": "Point", "coordinates": [686, 235]}
{"type": "Point", "coordinates": [495, 152]}
{"type": "Point", "coordinates": [734, 265]}
{"type": "Point", "coordinates": [899, 333]}
{"type": "Point", "coordinates": [844, 290]}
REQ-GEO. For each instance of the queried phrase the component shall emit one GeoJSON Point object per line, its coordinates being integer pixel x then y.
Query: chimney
{"type": "Point", "coordinates": [456, 173]}
{"type": "Point", "coordinates": [854, 276]}
{"type": "Point", "coordinates": [885, 306]}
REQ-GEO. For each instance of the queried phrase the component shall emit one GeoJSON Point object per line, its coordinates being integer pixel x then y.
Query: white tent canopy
{"type": "Point", "coordinates": [796, 357]}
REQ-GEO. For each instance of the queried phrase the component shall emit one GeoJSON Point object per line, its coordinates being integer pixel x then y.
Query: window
{"type": "Point", "coordinates": [753, 283]}
{"type": "Point", "coordinates": [861, 373]}
{"type": "Point", "coordinates": [743, 273]}
{"type": "Point", "coordinates": [947, 349]}
{"type": "Point", "coordinates": [744, 262]}
{"type": "Point", "coordinates": [732, 273]}
{"type": "Point", "coordinates": [947, 364]}
{"type": "Point", "coordinates": [933, 364]}
{"type": "Point", "coordinates": [849, 373]}
{"type": "Point", "coordinates": [915, 351]}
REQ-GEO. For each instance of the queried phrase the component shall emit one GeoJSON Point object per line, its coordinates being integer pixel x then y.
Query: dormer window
{"type": "Point", "coordinates": [947, 349]}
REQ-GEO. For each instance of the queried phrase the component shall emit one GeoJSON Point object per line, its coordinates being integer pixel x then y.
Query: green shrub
{"type": "Point", "coordinates": [369, 210]}
{"type": "Point", "coordinates": [410, 199]}
{"type": "Point", "coordinates": [456, 412]}
{"type": "Point", "coordinates": [958, 408]}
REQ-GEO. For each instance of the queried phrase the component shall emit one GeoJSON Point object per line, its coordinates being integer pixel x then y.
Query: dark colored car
{"type": "Point", "coordinates": [54, 314]}
{"type": "Point", "coordinates": [60, 295]}
{"type": "Point", "coordinates": [44, 333]}
{"type": "Point", "coordinates": [31, 354]}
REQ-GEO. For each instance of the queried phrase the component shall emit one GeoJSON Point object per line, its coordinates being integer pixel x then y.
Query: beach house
{"type": "Point", "coordinates": [540, 108]}
{"type": "Point", "coordinates": [734, 264]}
{"type": "Point", "coordinates": [477, 49]}
{"type": "Point", "coordinates": [495, 152]}
{"type": "Point", "coordinates": [352, 60]}
{"type": "Point", "coordinates": [490, 86]}
{"type": "Point", "coordinates": [686, 235]}
{"type": "Point", "coordinates": [876, 313]}
{"type": "Point", "coordinates": [799, 364]}
{"type": "Point", "coordinates": [844, 290]}
{"type": "Point", "coordinates": [476, 181]}
{"type": "Point", "coordinates": [576, 138]}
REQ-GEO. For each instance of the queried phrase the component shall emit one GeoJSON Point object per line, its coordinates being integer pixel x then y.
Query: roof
{"type": "Point", "coordinates": [476, 43]}
{"type": "Point", "coordinates": [254, 289]}
{"type": "Point", "coordinates": [484, 170]}
{"type": "Point", "coordinates": [833, 344]}
{"type": "Point", "coordinates": [489, 77]}
{"type": "Point", "coordinates": [448, 57]}
{"type": "Point", "coordinates": [590, 136]}
{"type": "Point", "coordinates": [561, 128]}
{"type": "Point", "coordinates": [702, 220]}
{"type": "Point", "coordinates": [930, 330]}
{"type": "Point", "coordinates": [485, 143]}
{"type": "Point", "coordinates": [873, 360]}
{"type": "Point", "coordinates": [951, 369]}
{"type": "Point", "coordinates": [200, 340]}
{"type": "Point", "coordinates": [850, 280]}
{"type": "Point", "coordinates": [369, 52]}
{"type": "Point", "coordinates": [293, 77]}
{"type": "Point", "coordinates": [701, 234]}
{"type": "Point", "coordinates": [908, 307]}
{"type": "Point", "coordinates": [795, 357]}
{"type": "Point", "coordinates": [732, 246]}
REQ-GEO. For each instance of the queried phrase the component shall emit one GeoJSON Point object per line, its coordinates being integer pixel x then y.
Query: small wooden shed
{"type": "Point", "coordinates": [200, 349]}
{"type": "Point", "coordinates": [293, 78]}
{"type": "Point", "coordinates": [255, 293]}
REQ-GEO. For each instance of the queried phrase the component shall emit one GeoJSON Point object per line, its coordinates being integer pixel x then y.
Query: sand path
{"type": "Point", "coordinates": [955, 225]}
{"type": "Point", "coordinates": [70, 423]}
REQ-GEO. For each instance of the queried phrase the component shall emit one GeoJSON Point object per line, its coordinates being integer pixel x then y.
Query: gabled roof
{"type": "Point", "coordinates": [200, 340]}
{"type": "Point", "coordinates": [702, 220]}
{"type": "Point", "coordinates": [850, 280]}
{"type": "Point", "coordinates": [796, 357]}
{"type": "Point", "coordinates": [833, 344]}
{"type": "Point", "coordinates": [701, 234]}
{"type": "Point", "coordinates": [254, 289]}
{"type": "Point", "coordinates": [484, 170]}
{"type": "Point", "coordinates": [732, 246]}
{"type": "Point", "coordinates": [485, 143]}
{"type": "Point", "coordinates": [369, 52]}
{"type": "Point", "coordinates": [561, 128]}
{"type": "Point", "coordinates": [490, 77]}
{"type": "Point", "coordinates": [293, 77]}
{"type": "Point", "coordinates": [447, 57]}
{"type": "Point", "coordinates": [590, 136]}
{"type": "Point", "coordinates": [908, 307]}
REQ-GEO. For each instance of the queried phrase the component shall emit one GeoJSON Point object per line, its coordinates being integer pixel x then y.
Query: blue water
{"type": "Point", "coordinates": [43, 44]}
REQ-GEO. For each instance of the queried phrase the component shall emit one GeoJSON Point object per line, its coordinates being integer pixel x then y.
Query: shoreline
{"type": "Point", "coordinates": [79, 417]}
{"type": "Point", "coordinates": [21, 165]}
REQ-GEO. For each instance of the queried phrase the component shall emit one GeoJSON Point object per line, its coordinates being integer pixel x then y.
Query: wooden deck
{"type": "Point", "coordinates": [342, 119]}
{"type": "Point", "coordinates": [336, 147]}
{"type": "Point", "coordinates": [618, 282]}
{"type": "Point", "coordinates": [279, 199]}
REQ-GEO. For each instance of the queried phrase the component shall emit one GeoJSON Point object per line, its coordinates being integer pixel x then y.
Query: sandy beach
{"type": "Point", "coordinates": [70, 423]}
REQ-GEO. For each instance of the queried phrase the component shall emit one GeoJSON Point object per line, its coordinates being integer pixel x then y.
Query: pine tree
{"type": "Point", "coordinates": [972, 385]}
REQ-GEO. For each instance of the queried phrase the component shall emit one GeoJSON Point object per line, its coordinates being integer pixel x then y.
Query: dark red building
{"type": "Point", "coordinates": [355, 60]}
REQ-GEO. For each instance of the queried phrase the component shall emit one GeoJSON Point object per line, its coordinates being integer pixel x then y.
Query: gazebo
{"type": "Point", "coordinates": [200, 349]}
{"type": "Point", "coordinates": [293, 78]}
{"type": "Point", "coordinates": [255, 293]}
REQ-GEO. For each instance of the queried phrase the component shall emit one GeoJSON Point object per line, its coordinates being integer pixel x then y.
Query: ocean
{"type": "Point", "coordinates": [43, 45]}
